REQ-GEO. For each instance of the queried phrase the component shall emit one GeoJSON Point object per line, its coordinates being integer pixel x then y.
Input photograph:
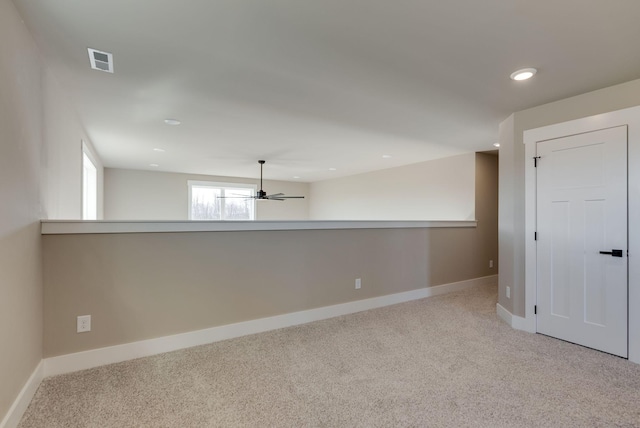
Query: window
{"type": "Point", "coordinates": [221, 201]}
{"type": "Point", "coordinates": [89, 187]}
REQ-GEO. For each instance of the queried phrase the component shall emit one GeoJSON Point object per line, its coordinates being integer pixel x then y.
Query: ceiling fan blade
{"type": "Point", "coordinates": [235, 197]}
{"type": "Point", "coordinates": [276, 196]}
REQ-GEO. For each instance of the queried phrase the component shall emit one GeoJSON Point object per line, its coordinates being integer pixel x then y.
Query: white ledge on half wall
{"type": "Point", "coordinates": [68, 227]}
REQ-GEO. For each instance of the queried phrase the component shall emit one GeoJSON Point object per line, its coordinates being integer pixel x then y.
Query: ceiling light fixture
{"type": "Point", "coordinates": [172, 122]}
{"type": "Point", "coordinates": [523, 74]}
{"type": "Point", "coordinates": [296, 176]}
{"type": "Point", "coordinates": [386, 156]}
{"type": "Point", "coordinates": [496, 144]}
{"type": "Point", "coordinates": [155, 165]}
{"type": "Point", "coordinates": [158, 150]}
{"type": "Point", "coordinates": [332, 169]}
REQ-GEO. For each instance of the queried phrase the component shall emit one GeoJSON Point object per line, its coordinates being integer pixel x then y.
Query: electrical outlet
{"type": "Point", "coordinates": [508, 292]}
{"type": "Point", "coordinates": [490, 263]}
{"type": "Point", "coordinates": [358, 283]}
{"type": "Point", "coordinates": [84, 323]}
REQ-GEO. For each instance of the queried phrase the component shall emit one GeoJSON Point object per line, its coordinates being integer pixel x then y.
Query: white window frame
{"type": "Point", "coordinates": [224, 186]}
{"type": "Point", "coordinates": [89, 185]}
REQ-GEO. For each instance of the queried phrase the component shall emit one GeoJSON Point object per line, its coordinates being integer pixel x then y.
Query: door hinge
{"type": "Point", "coordinates": [535, 236]}
{"type": "Point", "coordinates": [535, 309]}
{"type": "Point", "coordinates": [535, 161]}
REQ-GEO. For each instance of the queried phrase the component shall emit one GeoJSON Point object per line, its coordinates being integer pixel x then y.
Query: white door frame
{"type": "Point", "coordinates": [630, 117]}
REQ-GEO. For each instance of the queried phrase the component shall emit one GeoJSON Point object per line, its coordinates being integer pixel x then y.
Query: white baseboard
{"type": "Point", "coordinates": [114, 354]}
{"type": "Point", "coordinates": [19, 406]}
{"type": "Point", "coordinates": [516, 322]}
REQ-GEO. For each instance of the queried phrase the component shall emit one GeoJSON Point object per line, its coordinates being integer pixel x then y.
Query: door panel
{"type": "Point", "coordinates": [595, 292]}
{"type": "Point", "coordinates": [582, 210]}
{"type": "Point", "coordinates": [560, 226]}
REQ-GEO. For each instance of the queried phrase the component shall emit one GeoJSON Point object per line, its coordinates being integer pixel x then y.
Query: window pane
{"type": "Point", "coordinates": [221, 201]}
{"type": "Point", "coordinates": [205, 204]}
{"type": "Point", "coordinates": [238, 207]}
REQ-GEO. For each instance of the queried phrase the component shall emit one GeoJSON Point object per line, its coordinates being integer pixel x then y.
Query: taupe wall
{"type": "Point", "coordinates": [512, 152]}
{"type": "Point", "coordinates": [486, 201]}
{"type": "Point", "coordinates": [141, 286]}
{"type": "Point", "coordinates": [150, 195]}
{"type": "Point", "coordinates": [21, 125]}
{"type": "Point", "coordinates": [433, 190]}
{"type": "Point", "coordinates": [509, 243]}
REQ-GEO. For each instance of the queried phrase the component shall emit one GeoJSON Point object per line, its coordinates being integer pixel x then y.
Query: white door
{"type": "Point", "coordinates": [582, 213]}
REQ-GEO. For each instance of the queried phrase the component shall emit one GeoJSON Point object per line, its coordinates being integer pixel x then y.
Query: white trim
{"type": "Point", "coordinates": [19, 406]}
{"type": "Point", "coordinates": [114, 354]}
{"type": "Point", "coordinates": [631, 118]}
{"type": "Point", "coordinates": [504, 314]}
{"type": "Point", "coordinates": [89, 150]}
{"type": "Point", "coordinates": [530, 269]}
{"type": "Point", "coordinates": [64, 227]}
{"type": "Point", "coordinates": [89, 173]}
{"type": "Point", "coordinates": [514, 321]}
{"type": "Point", "coordinates": [225, 184]}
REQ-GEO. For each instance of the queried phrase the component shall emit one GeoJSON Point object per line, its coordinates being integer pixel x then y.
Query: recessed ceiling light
{"type": "Point", "coordinates": [332, 169]}
{"type": "Point", "coordinates": [158, 150]}
{"type": "Point", "coordinates": [496, 144]}
{"type": "Point", "coordinates": [386, 156]}
{"type": "Point", "coordinates": [155, 165]}
{"type": "Point", "coordinates": [173, 122]}
{"type": "Point", "coordinates": [296, 176]}
{"type": "Point", "coordinates": [524, 74]}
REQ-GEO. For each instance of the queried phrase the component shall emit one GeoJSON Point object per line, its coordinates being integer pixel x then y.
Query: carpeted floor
{"type": "Point", "coordinates": [447, 361]}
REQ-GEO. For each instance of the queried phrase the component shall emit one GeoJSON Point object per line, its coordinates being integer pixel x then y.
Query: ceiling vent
{"type": "Point", "coordinates": [102, 61]}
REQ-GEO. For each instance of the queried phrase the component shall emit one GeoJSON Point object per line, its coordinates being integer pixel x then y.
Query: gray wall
{"type": "Point", "coordinates": [40, 176]}
{"type": "Point", "coordinates": [512, 162]}
{"type": "Point", "coordinates": [21, 125]}
{"type": "Point", "coordinates": [434, 190]}
{"type": "Point", "coordinates": [62, 156]}
{"type": "Point", "coordinates": [150, 195]}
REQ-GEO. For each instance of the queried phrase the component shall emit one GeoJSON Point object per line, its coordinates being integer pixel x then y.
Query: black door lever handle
{"type": "Point", "coordinates": [613, 253]}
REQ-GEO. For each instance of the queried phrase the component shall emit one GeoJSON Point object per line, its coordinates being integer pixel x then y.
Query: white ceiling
{"type": "Point", "coordinates": [309, 85]}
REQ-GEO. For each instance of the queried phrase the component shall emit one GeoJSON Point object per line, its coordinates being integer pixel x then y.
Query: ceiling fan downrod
{"type": "Point", "coordinates": [261, 193]}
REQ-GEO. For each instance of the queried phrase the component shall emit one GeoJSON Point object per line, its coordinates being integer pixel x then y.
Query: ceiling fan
{"type": "Point", "coordinates": [261, 195]}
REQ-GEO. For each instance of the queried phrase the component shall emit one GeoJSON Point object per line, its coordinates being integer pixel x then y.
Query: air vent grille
{"type": "Point", "coordinates": [102, 61]}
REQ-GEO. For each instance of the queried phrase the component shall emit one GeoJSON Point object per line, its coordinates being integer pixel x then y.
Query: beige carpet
{"type": "Point", "coordinates": [446, 361]}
